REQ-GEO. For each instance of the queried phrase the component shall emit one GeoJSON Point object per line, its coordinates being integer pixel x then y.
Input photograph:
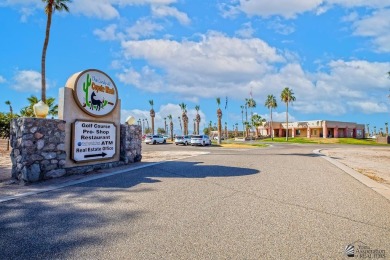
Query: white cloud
{"type": "Point", "coordinates": [369, 107]}
{"type": "Point", "coordinates": [95, 8]}
{"type": "Point", "coordinates": [2, 79]}
{"type": "Point", "coordinates": [290, 9]}
{"type": "Point", "coordinates": [107, 34]}
{"type": "Point", "coordinates": [246, 31]}
{"type": "Point", "coordinates": [218, 65]}
{"type": "Point", "coordinates": [376, 27]}
{"type": "Point", "coordinates": [165, 11]}
{"type": "Point", "coordinates": [285, 8]}
{"type": "Point", "coordinates": [143, 28]}
{"type": "Point", "coordinates": [28, 80]}
{"type": "Point", "coordinates": [359, 3]}
{"type": "Point", "coordinates": [215, 62]}
{"type": "Point", "coordinates": [279, 27]}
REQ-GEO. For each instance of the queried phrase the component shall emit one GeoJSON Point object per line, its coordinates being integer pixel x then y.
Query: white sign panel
{"type": "Point", "coordinates": [93, 141]}
{"type": "Point", "coordinates": [95, 93]}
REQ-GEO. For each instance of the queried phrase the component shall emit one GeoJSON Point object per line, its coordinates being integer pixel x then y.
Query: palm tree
{"type": "Point", "coordinates": [247, 127]}
{"type": "Point", "coordinates": [194, 132]}
{"type": "Point", "coordinates": [219, 115]}
{"type": "Point", "coordinates": [171, 126]}
{"type": "Point", "coordinates": [51, 6]}
{"type": "Point", "coordinates": [181, 127]}
{"type": "Point", "coordinates": [184, 117]}
{"type": "Point", "coordinates": [270, 103]}
{"type": "Point", "coordinates": [246, 109]}
{"type": "Point", "coordinates": [8, 103]}
{"type": "Point", "coordinates": [165, 124]}
{"type": "Point", "coordinates": [387, 128]}
{"type": "Point", "coordinates": [368, 129]}
{"type": "Point", "coordinates": [236, 130]}
{"type": "Point", "coordinates": [197, 107]}
{"type": "Point", "coordinates": [242, 119]}
{"type": "Point", "coordinates": [226, 131]}
{"type": "Point", "coordinates": [256, 122]}
{"type": "Point", "coordinates": [374, 130]}
{"type": "Point", "coordinates": [287, 96]}
{"type": "Point", "coordinates": [251, 104]}
{"type": "Point", "coordinates": [152, 115]}
{"type": "Point", "coordinates": [210, 127]}
{"type": "Point", "coordinates": [28, 111]}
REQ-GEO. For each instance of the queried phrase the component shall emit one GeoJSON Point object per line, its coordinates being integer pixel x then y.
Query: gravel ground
{"type": "Point", "coordinates": [374, 162]}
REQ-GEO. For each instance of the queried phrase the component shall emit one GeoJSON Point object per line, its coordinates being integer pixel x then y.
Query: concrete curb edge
{"type": "Point", "coordinates": [375, 186]}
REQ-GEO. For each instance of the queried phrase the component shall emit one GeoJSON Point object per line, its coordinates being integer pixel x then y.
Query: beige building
{"type": "Point", "coordinates": [316, 128]}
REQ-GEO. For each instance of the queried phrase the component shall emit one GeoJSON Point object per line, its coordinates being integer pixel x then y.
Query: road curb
{"type": "Point", "coordinates": [375, 186]}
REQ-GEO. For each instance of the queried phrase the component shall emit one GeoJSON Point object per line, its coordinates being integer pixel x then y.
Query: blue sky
{"type": "Point", "coordinates": [334, 54]}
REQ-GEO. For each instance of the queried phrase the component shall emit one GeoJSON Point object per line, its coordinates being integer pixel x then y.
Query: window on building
{"type": "Point", "coordinates": [314, 132]}
{"type": "Point", "coordinates": [297, 132]}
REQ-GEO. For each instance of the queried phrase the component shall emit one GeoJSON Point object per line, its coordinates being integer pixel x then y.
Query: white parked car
{"type": "Point", "coordinates": [182, 139]}
{"type": "Point", "coordinates": [154, 139]}
{"type": "Point", "coordinates": [200, 140]}
{"type": "Point", "coordinates": [216, 138]}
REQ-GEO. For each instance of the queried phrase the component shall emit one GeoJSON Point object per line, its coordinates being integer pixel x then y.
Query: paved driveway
{"type": "Point", "coordinates": [282, 202]}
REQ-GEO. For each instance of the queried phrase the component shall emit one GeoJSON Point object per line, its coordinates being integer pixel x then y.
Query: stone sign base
{"type": "Point", "coordinates": [39, 153]}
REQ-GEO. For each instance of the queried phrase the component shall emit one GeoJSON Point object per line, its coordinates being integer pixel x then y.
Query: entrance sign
{"type": "Point", "coordinates": [93, 141]}
{"type": "Point", "coordinates": [95, 93]}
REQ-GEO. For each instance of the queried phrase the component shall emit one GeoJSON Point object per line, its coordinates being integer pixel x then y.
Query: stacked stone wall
{"type": "Point", "coordinates": [38, 149]}
{"type": "Point", "coordinates": [130, 143]}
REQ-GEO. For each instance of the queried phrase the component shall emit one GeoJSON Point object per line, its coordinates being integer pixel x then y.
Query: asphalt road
{"type": "Point", "coordinates": [281, 202]}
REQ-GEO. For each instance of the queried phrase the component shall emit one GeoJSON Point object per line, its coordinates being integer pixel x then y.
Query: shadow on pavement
{"type": "Point", "coordinates": [53, 225]}
{"type": "Point", "coordinates": [173, 169]}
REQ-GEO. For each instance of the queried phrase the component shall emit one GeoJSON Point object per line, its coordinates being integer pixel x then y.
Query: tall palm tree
{"type": "Point", "coordinates": [287, 96]}
{"type": "Point", "coordinates": [387, 128]}
{"type": "Point", "coordinates": [226, 131]}
{"type": "Point", "coordinates": [270, 103]}
{"type": "Point", "coordinates": [152, 115]}
{"type": "Point", "coordinates": [51, 6]}
{"type": "Point", "coordinates": [8, 103]}
{"type": "Point", "coordinates": [165, 125]}
{"type": "Point", "coordinates": [181, 127]}
{"type": "Point", "coordinates": [171, 126]}
{"type": "Point", "coordinates": [368, 129]}
{"type": "Point", "coordinates": [219, 115]}
{"type": "Point", "coordinates": [210, 127]}
{"type": "Point", "coordinates": [194, 132]}
{"type": "Point", "coordinates": [374, 130]}
{"type": "Point", "coordinates": [242, 119]}
{"type": "Point", "coordinates": [246, 109]}
{"type": "Point", "coordinates": [184, 117]}
{"type": "Point", "coordinates": [251, 104]}
{"type": "Point", "coordinates": [197, 107]}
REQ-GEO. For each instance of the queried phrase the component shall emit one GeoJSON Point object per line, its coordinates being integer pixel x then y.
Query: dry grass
{"type": "Point", "coordinates": [370, 174]}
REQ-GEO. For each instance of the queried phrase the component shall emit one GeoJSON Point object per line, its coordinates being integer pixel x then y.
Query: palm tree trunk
{"type": "Point", "coordinates": [272, 135]}
{"type": "Point", "coordinates": [152, 125]}
{"type": "Point", "coordinates": [171, 126]}
{"type": "Point", "coordinates": [287, 121]}
{"type": "Point", "coordinates": [219, 130]}
{"type": "Point", "coordinates": [45, 44]}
